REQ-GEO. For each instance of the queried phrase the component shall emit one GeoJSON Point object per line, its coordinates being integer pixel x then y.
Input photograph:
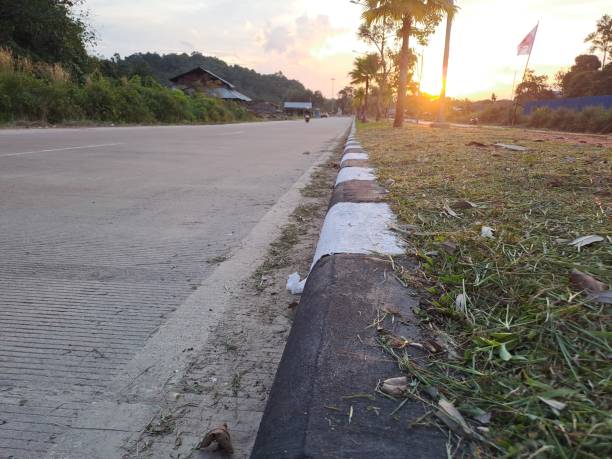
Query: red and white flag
{"type": "Point", "coordinates": [527, 44]}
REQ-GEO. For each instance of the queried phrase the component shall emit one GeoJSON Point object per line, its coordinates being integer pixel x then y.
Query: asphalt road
{"type": "Point", "coordinates": [104, 232]}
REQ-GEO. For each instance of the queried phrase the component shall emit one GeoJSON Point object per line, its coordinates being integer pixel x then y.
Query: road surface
{"type": "Point", "coordinates": [104, 232]}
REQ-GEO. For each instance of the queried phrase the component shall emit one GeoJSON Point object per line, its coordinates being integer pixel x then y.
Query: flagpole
{"type": "Point", "coordinates": [523, 79]}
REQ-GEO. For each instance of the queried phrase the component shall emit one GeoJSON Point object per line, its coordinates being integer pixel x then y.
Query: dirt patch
{"type": "Point", "coordinates": [230, 380]}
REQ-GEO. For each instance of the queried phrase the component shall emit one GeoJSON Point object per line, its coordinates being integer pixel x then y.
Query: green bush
{"type": "Point", "coordinates": [27, 96]}
{"type": "Point", "coordinates": [539, 118]}
{"type": "Point", "coordinates": [496, 114]}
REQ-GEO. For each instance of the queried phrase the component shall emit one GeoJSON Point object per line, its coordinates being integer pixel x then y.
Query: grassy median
{"type": "Point", "coordinates": [523, 312]}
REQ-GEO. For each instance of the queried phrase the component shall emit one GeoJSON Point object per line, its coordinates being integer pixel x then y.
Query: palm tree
{"type": "Point", "coordinates": [601, 39]}
{"type": "Point", "coordinates": [406, 14]}
{"type": "Point", "coordinates": [364, 71]}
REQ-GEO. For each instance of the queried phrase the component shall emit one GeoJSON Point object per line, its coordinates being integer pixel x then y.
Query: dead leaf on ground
{"type": "Point", "coordinates": [511, 147]}
{"type": "Point", "coordinates": [396, 387]}
{"type": "Point", "coordinates": [293, 304]}
{"type": "Point", "coordinates": [484, 418]}
{"type": "Point", "coordinates": [555, 405]}
{"type": "Point", "coordinates": [449, 247]}
{"type": "Point", "coordinates": [453, 418]}
{"type": "Point", "coordinates": [473, 143]}
{"type": "Point", "coordinates": [450, 211]}
{"type": "Point", "coordinates": [587, 282]}
{"type": "Point", "coordinates": [586, 240]}
{"type": "Point", "coordinates": [463, 204]}
{"type": "Point", "coordinates": [434, 346]}
{"type": "Point", "coordinates": [219, 435]}
{"type": "Point", "coordinates": [602, 297]}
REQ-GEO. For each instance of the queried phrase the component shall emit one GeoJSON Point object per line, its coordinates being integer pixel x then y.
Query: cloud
{"type": "Point", "coordinates": [278, 39]}
{"type": "Point", "coordinates": [302, 38]}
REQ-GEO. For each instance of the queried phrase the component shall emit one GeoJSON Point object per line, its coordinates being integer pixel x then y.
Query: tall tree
{"type": "Point", "coordinates": [407, 15]}
{"type": "Point", "coordinates": [601, 38]}
{"type": "Point", "coordinates": [345, 100]}
{"type": "Point", "coordinates": [379, 35]}
{"type": "Point", "coordinates": [46, 30]}
{"type": "Point", "coordinates": [533, 87]}
{"type": "Point", "coordinates": [365, 69]}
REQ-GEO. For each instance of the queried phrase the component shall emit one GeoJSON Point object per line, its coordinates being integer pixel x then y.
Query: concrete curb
{"type": "Point", "coordinates": [323, 401]}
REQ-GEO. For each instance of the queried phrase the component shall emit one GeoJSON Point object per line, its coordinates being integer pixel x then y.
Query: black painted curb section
{"type": "Point", "coordinates": [358, 191]}
{"type": "Point", "coordinates": [331, 360]}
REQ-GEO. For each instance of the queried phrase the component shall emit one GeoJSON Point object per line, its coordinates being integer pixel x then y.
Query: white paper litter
{"type": "Point", "coordinates": [487, 232]}
{"type": "Point", "coordinates": [294, 285]}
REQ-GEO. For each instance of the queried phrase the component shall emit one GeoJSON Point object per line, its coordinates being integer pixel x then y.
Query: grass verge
{"type": "Point", "coordinates": [530, 360]}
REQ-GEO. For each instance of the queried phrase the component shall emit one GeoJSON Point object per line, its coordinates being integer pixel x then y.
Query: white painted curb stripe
{"type": "Point", "coordinates": [350, 156]}
{"type": "Point", "coordinates": [352, 145]}
{"type": "Point", "coordinates": [363, 227]}
{"type": "Point", "coordinates": [355, 173]}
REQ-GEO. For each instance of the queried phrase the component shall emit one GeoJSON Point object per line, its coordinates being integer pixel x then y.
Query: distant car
{"type": "Point", "coordinates": [324, 115]}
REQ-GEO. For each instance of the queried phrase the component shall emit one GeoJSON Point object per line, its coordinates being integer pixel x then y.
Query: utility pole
{"type": "Point", "coordinates": [442, 102]}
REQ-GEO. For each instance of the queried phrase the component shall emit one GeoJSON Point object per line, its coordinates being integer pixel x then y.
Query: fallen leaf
{"type": "Point", "coordinates": [586, 240]}
{"type": "Point", "coordinates": [602, 297]}
{"type": "Point", "coordinates": [449, 247]}
{"type": "Point", "coordinates": [473, 143]}
{"type": "Point", "coordinates": [453, 418]}
{"type": "Point", "coordinates": [450, 211]}
{"type": "Point", "coordinates": [432, 392]}
{"type": "Point", "coordinates": [461, 302]}
{"type": "Point", "coordinates": [397, 343]}
{"type": "Point", "coordinates": [554, 404]}
{"type": "Point", "coordinates": [396, 387]}
{"type": "Point", "coordinates": [293, 304]}
{"type": "Point", "coordinates": [487, 232]}
{"type": "Point", "coordinates": [463, 205]}
{"type": "Point", "coordinates": [484, 418]}
{"type": "Point", "coordinates": [586, 282]}
{"type": "Point", "coordinates": [503, 353]}
{"type": "Point", "coordinates": [219, 435]}
{"type": "Point", "coordinates": [434, 346]}
{"type": "Point", "coordinates": [511, 147]}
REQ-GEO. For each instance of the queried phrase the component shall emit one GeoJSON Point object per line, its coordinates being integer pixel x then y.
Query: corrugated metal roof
{"type": "Point", "coordinates": [224, 93]}
{"type": "Point", "coordinates": [299, 105]}
{"type": "Point", "coordinates": [200, 68]}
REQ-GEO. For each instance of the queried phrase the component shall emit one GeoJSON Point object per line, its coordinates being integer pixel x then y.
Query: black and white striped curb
{"type": "Point", "coordinates": [323, 403]}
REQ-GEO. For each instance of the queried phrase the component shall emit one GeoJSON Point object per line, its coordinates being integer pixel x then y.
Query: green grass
{"type": "Point", "coordinates": [526, 335]}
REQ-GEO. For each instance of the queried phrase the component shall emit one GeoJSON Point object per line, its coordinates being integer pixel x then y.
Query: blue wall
{"type": "Point", "coordinates": [574, 103]}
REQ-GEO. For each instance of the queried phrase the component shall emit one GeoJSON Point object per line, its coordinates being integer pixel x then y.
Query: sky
{"type": "Point", "coordinates": [315, 41]}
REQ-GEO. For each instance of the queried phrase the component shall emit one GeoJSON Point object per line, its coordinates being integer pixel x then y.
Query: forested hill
{"type": "Point", "coordinates": [274, 87]}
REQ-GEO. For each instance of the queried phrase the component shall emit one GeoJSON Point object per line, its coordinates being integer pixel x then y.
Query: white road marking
{"type": "Point", "coordinates": [59, 149]}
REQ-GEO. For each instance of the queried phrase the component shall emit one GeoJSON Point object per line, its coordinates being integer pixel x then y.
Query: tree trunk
{"type": "Point", "coordinates": [365, 104]}
{"type": "Point", "coordinates": [381, 84]}
{"type": "Point", "coordinates": [403, 72]}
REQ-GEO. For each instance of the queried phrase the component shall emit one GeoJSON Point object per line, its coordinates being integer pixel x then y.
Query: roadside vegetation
{"type": "Point", "coordinates": [521, 301]}
{"type": "Point", "coordinates": [47, 93]}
